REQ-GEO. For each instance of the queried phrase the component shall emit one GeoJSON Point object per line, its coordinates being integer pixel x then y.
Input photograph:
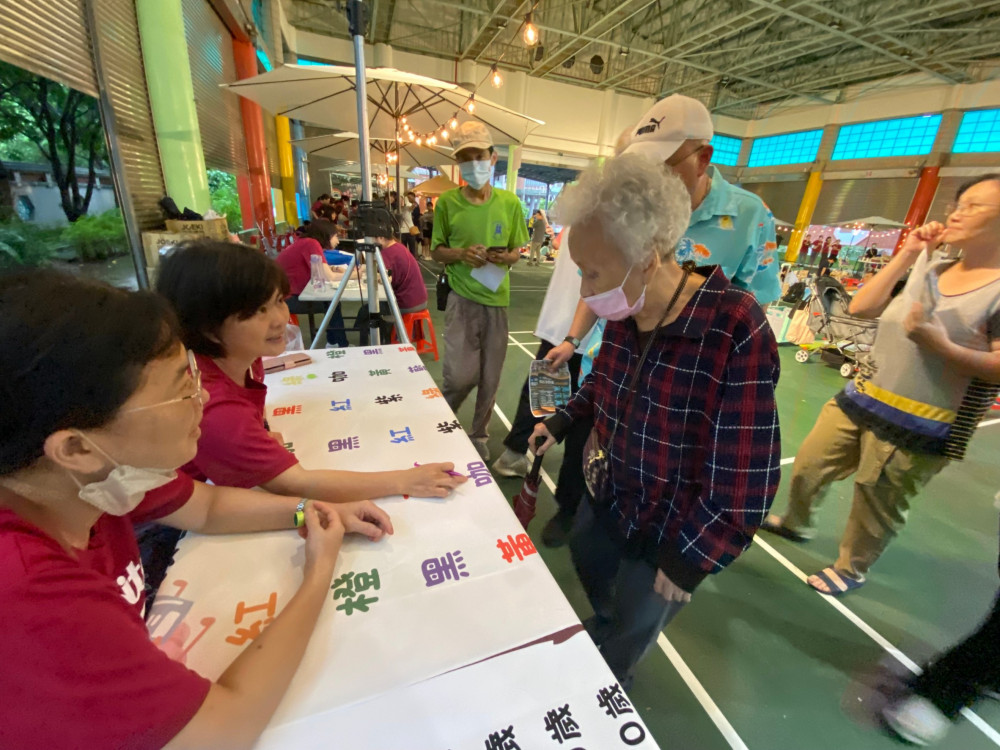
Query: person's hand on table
{"type": "Point", "coordinates": [475, 256]}
{"type": "Point", "coordinates": [365, 518]}
{"type": "Point", "coordinates": [669, 590]}
{"type": "Point", "coordinates": [324, 533]}
{"type": "Point", "coordinates": [541, 431]}
{"type": "Point", "coordinates": [560, 355]}
{"type": "Point", "coordinates": [431, 480]}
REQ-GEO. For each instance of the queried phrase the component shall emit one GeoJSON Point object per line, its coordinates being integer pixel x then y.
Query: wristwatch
{"type": "Point", "coordinates": [574, 341]}
{"type": "Point", "coordinates": [299, 519]}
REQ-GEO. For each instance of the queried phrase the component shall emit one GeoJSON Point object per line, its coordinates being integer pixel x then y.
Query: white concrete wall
{"type": "Point", "coordinates": [48, 205]}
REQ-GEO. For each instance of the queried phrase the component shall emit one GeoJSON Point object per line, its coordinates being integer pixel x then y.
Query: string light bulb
{"type": "Point", "coordinates": [419, 141]}
{"type": "Point", "coordinates": [470, 106]}
{"type": "Point", "coordinates": [402, 120]}
{"type": "Point", "coordinates": [444, 134]}
{"type": "Point", "coordinates": [495, 78]}
{"type": "Point", "coordinates": [530, 33]}
{"type": "Point", "coordinates": [431, 141]}
{"type": "Point", "coordinates": [453, 124]}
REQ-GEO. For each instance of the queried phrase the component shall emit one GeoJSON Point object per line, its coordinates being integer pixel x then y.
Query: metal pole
{"type": "Point", "coordinates": [107, 111]}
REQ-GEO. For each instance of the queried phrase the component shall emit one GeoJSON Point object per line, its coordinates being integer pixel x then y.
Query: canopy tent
{"type": "Point", "coordinates": [345, 146]}
{"type": "Point", "coordinates": [873, 222]}
{"type": "Point", "coordinates": [435, 186]}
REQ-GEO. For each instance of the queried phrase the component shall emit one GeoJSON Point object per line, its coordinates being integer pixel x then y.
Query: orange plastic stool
{"type": "Point", "coordinates": [415, 323]}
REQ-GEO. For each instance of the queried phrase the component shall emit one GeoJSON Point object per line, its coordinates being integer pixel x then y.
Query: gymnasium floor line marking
{"type": "Point", "coordinates": [694, 685]}
{"type": "Point", "coordinates": [868, 630]}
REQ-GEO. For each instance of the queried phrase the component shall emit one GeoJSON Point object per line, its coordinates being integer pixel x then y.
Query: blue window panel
{"type": "Point", "coordinates": [262, 57]}
{"type": "Point", "coordinates": [305, 61]}
{"type": "Point", "coordinates": [905, 136]}
{"type": "Point", "coordinates": [979, 132]}
{"type": "Point", "coordinates": [788, 148]}
{"type": "Point", "coordinates": [726, 150]}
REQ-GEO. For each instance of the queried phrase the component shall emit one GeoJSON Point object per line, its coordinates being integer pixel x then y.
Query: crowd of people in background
{"type": "Point", "coordinates": [147, 409]}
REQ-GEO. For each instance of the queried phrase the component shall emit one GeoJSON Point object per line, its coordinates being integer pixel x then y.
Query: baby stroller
{"type": "Point", "coordinates": [841, 338]}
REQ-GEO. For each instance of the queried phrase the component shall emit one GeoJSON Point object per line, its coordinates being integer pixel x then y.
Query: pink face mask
{"type": "Point", "coordinates": [613, 304]}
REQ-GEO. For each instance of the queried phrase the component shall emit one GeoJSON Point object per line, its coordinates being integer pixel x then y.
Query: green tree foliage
{"type": "Point", "coordinates": [62, 123]}
{"type": "Point", "coordinates": [225, 199]}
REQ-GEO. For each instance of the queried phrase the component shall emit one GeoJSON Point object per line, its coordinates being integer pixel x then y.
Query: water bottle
{"type": "Point", "coordinates": [317, 276]}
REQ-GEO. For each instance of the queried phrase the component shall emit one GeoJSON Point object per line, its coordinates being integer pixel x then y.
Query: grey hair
{"type": "Point", "coordinates": [641, 207]}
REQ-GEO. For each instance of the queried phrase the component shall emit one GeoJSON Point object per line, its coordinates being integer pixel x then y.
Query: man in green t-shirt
{"type": "Point", "coordinates": [479, 231]}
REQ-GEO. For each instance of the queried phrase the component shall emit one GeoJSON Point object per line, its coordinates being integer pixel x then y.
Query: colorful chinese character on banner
{"type": "Point", "coordinates": [560, 722]}
{"type": "Point", "coordinates": [290, 447]}
{"type": "Point", "coordinates": [417, 368]}
{"type": "Point", "coordinates": [340, 405]}
{"type": "Point", "coordinates": [245, 634]}
{"type": "Point", "coordinates": [285, 411]}
{"type": "Point", "coordinates": [502, 740]}
{"type": "Point", "coordinates": [338, 376]}
{"type": "Point", "coordinates": [344, 444]}
{"type": "Point", "coordinates": [437, 570]}
{"type": "Point", "coordinates": [335, 353]}
{"type": "Point", "coordinates": [448, 427]}
{"type": "Point", "coordinates": [377, 373]}
{"type": "Point", "coordinates": [479, 473]}
{"type": "Point", "coordinates": [373, 351]}
{"type": "Point", "coordinates": [394, 398]}
{"type": "Point", "coordinates": [401, 436]}
{"type": "Point", "coordinates": [614, 701]}
{"type": "Point", "coordinates": [520, 546]}
{"type": "Point", "coordinates": [431, 393]}
{"type": "Point", "coordinates": [407, 349]}
{"type": "Point", "coordinates": [351, 587]}
{"type": "Point", "coordinates": [292, 380]}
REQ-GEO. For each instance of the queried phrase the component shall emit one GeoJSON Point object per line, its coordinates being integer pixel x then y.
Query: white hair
{"type": "Point", "coordinates": [641, 207]}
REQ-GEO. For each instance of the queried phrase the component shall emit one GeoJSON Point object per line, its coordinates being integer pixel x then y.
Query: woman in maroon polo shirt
{"type": "Point", "coordinates": [231, 303]}
{"type": "Point", "coordinates": [100, 404]}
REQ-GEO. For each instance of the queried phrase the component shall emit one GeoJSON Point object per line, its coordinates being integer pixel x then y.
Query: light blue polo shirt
{"type": "Point", "coordinates": [732, 228]}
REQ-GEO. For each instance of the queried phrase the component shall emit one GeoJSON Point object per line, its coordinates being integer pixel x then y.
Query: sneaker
{"type": "Point", "coordinates": [916, 720]}
{"type": "Point", "coordinates": [511, 464]}
{"type": "Point", "coordinates": [483, 448]}
{"type": "Point", "coordinates": [556, 531]}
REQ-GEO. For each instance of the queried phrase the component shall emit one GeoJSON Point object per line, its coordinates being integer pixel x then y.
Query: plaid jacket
{"type": "Point", "coordinates": [696, 463]}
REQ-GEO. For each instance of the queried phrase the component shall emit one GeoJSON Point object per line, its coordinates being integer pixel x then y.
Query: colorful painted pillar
{"type": "Point", "coordinates": [301, 172]}
{"type": "Point", "coordinates": [921, 203]}
{"type": "Point", "coordinates": [171, 100]}
{"type": "Point", "coordinates": [804, 217]}
{"type": "Point", "coordinates": [286, 168]}
{"type": "Point", "coordinates": [253, 133]}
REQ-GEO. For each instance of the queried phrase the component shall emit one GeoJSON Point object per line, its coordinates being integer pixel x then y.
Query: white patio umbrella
{"type": "Point", "coordinates": [435, 186]}
{"type": "Point", "coordinates": [324, 95]}
{"type": "Point", "coordinates": [873, 222]}
{"type": "Point", "coordinates": [345, 146]}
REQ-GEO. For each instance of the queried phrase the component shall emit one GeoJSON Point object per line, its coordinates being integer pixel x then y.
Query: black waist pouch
{"type": "Point", "coordinates": [443, 290]}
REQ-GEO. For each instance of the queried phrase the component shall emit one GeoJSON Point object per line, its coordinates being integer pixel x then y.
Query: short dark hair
{"type": "Point", "coordinates": [324, 197]}
{"type": "Point", "coordinates": [207, 281]}
{"type": "Point", "coordinates": [72, 352]}
{"type": "Point", "coordinates": [990, 177]}
{"type": "Point", "coordinates": [320, 230]}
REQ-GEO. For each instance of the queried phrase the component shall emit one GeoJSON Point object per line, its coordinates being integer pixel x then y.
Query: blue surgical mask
{"type": "Point", "coordinates": [477, 173]}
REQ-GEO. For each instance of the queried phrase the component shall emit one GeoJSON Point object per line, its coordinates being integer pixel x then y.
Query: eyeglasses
{"type": "Point", "coordinates": [195, 374]}
{"type": "Point", "coordinates": [970, 208]}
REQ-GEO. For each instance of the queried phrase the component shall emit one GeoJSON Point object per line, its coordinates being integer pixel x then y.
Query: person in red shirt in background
{"type": "Point", "coordinates": [296, 260]}
{"type": "Point", "coordinates": [323, 200]}
{"type": "Point", "coordinates": [407, 285]}
{"type": "Point", "coordinates": [231, 303]}
{"type": "Point", "coordinates": [100, 406]}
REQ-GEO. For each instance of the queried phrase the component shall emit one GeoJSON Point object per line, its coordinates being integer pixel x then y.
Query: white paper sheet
{"type": "Point", "coordinates": [490, 276]}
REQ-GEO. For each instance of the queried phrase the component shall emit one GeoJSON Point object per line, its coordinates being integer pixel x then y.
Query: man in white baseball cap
{"type": "Point", "coordinates": [730, 227]}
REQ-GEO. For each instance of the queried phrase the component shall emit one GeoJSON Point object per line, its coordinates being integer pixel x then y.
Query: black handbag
{"type": "Point", "coordinates": [443, 290]}
{"type": "Point", "coordinates": [596, 459]}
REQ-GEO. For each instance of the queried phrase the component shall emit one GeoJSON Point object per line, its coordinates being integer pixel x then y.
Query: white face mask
{"type": "Point", "coordinates": [477, 173]}
{"type": "Point", "coordinates": [124, 488]}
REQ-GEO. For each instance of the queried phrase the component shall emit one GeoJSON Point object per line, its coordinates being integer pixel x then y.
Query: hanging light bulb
{"type": "Point", "coordinates": [530, 33]}
{"type": "Point", "coordinates": [419, 141]}
{"type": "Point", "coordinates": [432, 141]}
{"type": "Point", "coordinates": [454, 123]}
{"type": "Point", "coordinates": [402, 119]}
{"type": "Point", "coordinates": [444, 134]}
{"type": "Point", "coordinates": [470, 105]}
{"type": "Point", "coordinates": [495, 78]}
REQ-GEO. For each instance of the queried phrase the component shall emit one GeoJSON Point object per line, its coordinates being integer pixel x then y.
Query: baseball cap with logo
{"type": "Point", "coordinates": [471, 134]}
{"type": "Point", "coordinates": [666, 126]}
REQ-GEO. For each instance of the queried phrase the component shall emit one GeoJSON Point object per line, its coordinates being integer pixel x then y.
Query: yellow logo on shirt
{"type": "Point", "coordinates": [726, 222]}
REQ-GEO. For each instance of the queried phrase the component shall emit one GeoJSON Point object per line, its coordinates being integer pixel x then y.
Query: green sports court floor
{"type": "Point", "coordinates": [758, 660]}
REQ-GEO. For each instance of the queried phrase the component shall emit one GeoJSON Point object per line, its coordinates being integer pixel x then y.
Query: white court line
{"type": "Point", "coordinates": [696, 688]}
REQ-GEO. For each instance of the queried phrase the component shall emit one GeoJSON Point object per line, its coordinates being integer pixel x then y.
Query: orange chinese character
{"type": "Point", "coordinates": [243, 635]}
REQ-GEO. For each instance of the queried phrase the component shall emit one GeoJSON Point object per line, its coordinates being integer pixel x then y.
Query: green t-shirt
{"type": "Point", "coordinates": [497, 223]}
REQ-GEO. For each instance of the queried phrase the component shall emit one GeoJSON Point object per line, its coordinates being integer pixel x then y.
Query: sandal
{"type": "Point", "coordinates": [837, 583]}
{"type": "Point", "coordinates": [775, 527]}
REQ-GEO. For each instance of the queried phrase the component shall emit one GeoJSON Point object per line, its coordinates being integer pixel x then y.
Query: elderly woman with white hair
{"type": "Point", "coordinates": [683, 461]}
